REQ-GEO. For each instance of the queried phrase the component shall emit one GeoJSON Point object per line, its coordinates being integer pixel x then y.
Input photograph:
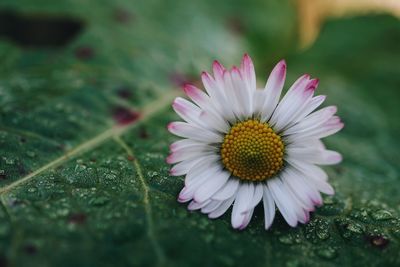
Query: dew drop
{"type": "Point", "coordinates": [349, 229]}
{"type": "Point", "coordinates": [360, 215]}
{"type": "Point", "coordinates": [381, 215]}
{"type": "Point", "coordinates": [322, 231]}
{"type": "Point", "coordinates": [30, 154]}
{"type": "Point", "coordinates": [152, 174]}
{"type": "Point", "coordinates": [328, 253]}
{"type": "Point", "coordinates": [286, 239]}
{"type": "Point", "coordinates": [62, 212]}
{"type": "Point", "coordinates": [110, 176]}
{"type": "Point", "coordinates": [32, 189]}
{"type": "Point", "coordinates": [98, 201]}
{"type": "Point", "coordinates": [9, 161]}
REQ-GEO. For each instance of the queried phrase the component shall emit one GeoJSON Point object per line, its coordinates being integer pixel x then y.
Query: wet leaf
{"type": "Point", "coordinates": [83, 140]}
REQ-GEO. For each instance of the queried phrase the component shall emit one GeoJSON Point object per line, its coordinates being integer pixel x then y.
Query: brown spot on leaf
{"type": "Point", "coordinates": [378, 241]}
{"type": "Point", "coordinates": [143, 133]}
{"type": "Point", "coordinates": [131, 158]}
{"type": "Point", "coordinates": [30, 249]}
{"type": "Point", "coordinates": [77, 218]}
{"type": "Point", "coordinates": [235, 25]}
{"type": "Point", "coordinates": [84, 52]}
{"type": "Point", "coordinates": [124, 92]}
{"type": "Point", "coordinates": [124, 116]}
{"type": "Point", "coordinates": [123, 16]}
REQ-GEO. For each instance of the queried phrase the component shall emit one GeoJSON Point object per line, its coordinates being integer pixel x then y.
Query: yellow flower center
{"type": "Point", "coordinates": [252, 151]}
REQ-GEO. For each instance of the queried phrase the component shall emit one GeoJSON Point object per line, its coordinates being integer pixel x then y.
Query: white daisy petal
{"type": "Point", "coordinates": [193, 205]}
{"type": "Point", "coordinates": [309, 107]}
{"type": "Point", "coordinates": [269, 207]}
{"type": "Point", "coordinates": [315, 155]}
{"type": "Point", "coordinates": [312, 121]}
{"type": "Point", "coordinates": [257, 196]}
{"type": "Point", "coordinates": [298, 189]}
{"type": "Point", "coordinates": [211, 206]}
{"type": "Point", "coordinates": [214, 122]}
{"type": "Point", "coordinates": [243, 197]}
{"type": "Point", "coordinates": [225, 205]}
{"type": "Point", "coordinates": [194, 148]}
{"type": "Point", "coordinates": [314, 176]}
{"type": "Point", "coordinates": [292, 101]}
{"type": "Point", "coordinates": [218, 71]}
{"type": "Point", "coordinates": [297, 205]}
{"type": "Point", "coordinates": [273, 89]}
{"type": "Point", "coordinates": [242, 145]}
{"type": "Point", "coordinates": [246, 219]}
{"type": "Point", "coordinates": [217, 95]}
{"type": "Point", "coordinates": [248, 72]}
{"type": "Point", "coordinates": [183, 167]}
{"type": "Point", "coordinates": [231, 95]}
{"type": "Point", "coordinates": [258, 102]}
{"type": "Point", "coordinates": [196, 173]}
{"type": "Point", "coordinates": [187, 111]}
{"type": "Point", "coordinates": [211, 186]}
{"type": "Point", "coordinates": [196, 133]}
{"type": "Point", "coordinates": [298, 108]}
{"type": "Point", "coordinates": [194, 182]}
{"type": "Point", "coordinates": [333, 125]}
{"type": "Point", "coordinates": [185, 143]}
{"type": "Point", "coordinates": [227, 190]}
{"type": "Point", "coordinates": [283, 201]}
{"type": "Point", "coordinates": [176, 157]}
{"type": "Point", "coordinates": [243, 93]}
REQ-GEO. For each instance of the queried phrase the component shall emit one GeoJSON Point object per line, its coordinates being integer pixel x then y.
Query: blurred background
{"type": "Point", "coordinates": [85, 94]}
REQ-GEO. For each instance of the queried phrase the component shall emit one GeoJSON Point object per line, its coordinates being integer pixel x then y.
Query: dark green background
{"type": "Point", "coordinates": [80, 189]}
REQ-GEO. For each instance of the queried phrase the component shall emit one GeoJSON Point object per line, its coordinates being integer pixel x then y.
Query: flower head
{"type": "Point", "coordinates": [244, 145]}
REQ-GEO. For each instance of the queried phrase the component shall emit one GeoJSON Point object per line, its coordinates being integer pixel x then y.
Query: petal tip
{"type": "Point", "coordinates": [170, 126]}
{"type": "Point", "coordinates": [282, 64]}
{"type": "Point", "coordinates": [169, 159]}
{"type": "Point", "coordinates": [247, 58]}
{"type": "Point", "coordinates": [313, 85]}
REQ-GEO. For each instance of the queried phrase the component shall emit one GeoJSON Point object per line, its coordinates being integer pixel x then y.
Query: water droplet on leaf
{"type": "Point", "coordinates": [381, 215]}
{"type": "Point", "coordinates": [327, 253]}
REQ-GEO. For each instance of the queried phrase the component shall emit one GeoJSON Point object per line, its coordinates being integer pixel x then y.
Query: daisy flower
{"type": "Point", "coordinates": [243, 145]}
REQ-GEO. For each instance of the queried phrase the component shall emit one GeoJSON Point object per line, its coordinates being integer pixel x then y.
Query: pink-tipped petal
{"type": "Point", "coordinates": [248, 72]}
{"type": "Point", "coordinates": [218, 69]}
{"type": "Point", "coordinates": [313, 84]}
{"type": "Point", "coordinates": [277, 77]}
{"type": "Point", "coordinates": [273, 90]}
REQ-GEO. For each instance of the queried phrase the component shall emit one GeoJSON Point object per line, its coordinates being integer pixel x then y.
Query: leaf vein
{"type": "Point", "coordinates": [146, 201]}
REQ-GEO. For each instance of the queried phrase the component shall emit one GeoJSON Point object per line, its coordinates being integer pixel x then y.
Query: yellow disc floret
{"type": "Point", "coordinates": [252, 151]}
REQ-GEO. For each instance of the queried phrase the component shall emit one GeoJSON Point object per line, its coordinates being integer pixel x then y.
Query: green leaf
{"type": "Point", "coordinates": [83, 140]}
